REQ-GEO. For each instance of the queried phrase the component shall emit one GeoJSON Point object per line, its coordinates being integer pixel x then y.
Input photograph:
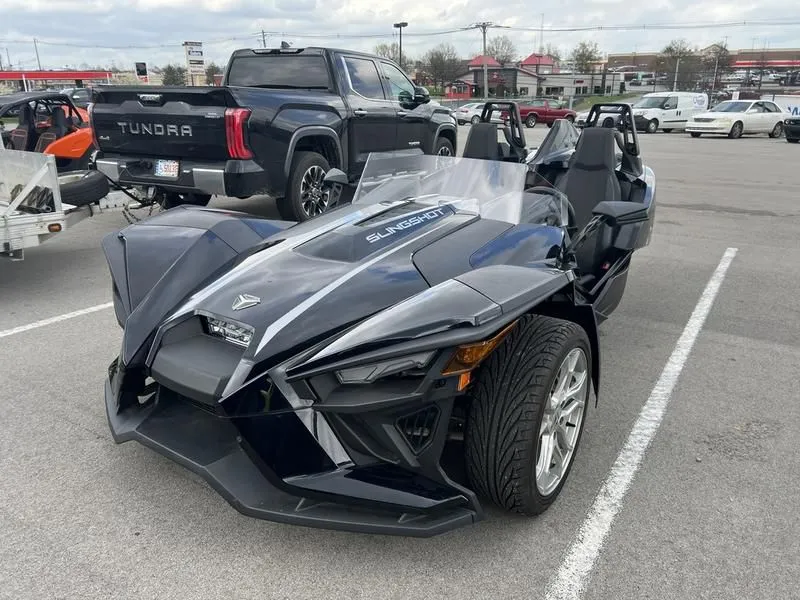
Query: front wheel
{"type": "Point", "coordinates": [736, 131]}
{"type": "Point", "coordinates": [694, 134]}
{"type": "Point", "coordinates": [444, 147]}
{"type": "Point", "coordinates": [530, 121]}
{"type": "Point", "coordinates": [777, 131]}
{"type": "Point", "coordinates": [652, 126]}
{"type": "Point", "coordinates": [475, 119]}
{"type": "Point", "coordinates": [528, 405]}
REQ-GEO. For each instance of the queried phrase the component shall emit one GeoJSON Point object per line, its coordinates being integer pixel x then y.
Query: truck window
{"type": "Point", "coordinates": [279, 71]}
{"type": "Point", "coordinates": [402, 90]}
{"type": "Point", "coordinates": [364, 77]}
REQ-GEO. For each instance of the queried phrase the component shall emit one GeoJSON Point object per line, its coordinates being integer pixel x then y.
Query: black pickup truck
{"type": "Point", "coordinates": [281, 119]}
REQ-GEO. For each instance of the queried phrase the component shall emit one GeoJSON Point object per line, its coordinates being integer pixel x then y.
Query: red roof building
{"type": "Point", "coordinates": [541, 63]}
{"type": "Point", "coordinates": [479, 61]}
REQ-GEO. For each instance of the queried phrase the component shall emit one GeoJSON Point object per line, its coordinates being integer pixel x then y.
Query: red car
{"type": "Point", "coordinates": [544, 111]}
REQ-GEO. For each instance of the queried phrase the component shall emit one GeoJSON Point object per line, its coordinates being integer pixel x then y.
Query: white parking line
{"type": "Point", "coordinates": [53, 320]}
{"type": "Point", "coordinates": [573, 574]}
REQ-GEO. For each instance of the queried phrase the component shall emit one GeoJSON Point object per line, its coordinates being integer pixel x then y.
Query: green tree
{"type": "Point", "coordinates": [502, 49]}
{"type": "Point", "coordinates": [584, 56]}
{"type": "Point", "coordinates": [211, 70]}
{"type": "Point", "coordinates": [173, 75]}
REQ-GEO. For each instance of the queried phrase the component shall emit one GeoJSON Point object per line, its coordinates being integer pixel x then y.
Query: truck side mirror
{"type": "Point", "coordinates": [421, 95]}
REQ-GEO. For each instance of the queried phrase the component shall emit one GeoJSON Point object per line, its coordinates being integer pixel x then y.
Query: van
{"type": "Point", "coordinates": [667, 110]}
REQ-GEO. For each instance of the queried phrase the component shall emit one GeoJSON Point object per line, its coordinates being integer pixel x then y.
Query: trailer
{"type": "Point", "coordinates": [37, 204]}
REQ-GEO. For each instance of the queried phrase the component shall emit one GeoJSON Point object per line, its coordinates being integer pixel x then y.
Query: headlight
{"type": "Point", "coordinates": [363, 374]}
{"type": "Point", "coordinates": [234, 333]}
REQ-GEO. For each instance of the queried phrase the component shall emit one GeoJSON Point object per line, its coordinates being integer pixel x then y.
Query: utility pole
{"type": "Point", "coordinates": [38, 62]}
{"type": "Point", "coordinates": [8, 56]}
{"type": "Point", "coordinates": [483, 26]}
{"type": "Point", "coordinates": [541, 37]}
{"type": "Point", "coordinates": [675, 81]}
{"type": "Point", "coordinates": [263, 39]}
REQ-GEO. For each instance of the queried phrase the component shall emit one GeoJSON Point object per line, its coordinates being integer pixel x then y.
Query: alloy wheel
{"type": "Point", "coordinates": [561, 421]}
{"type": "Point", "coordinates": [444, 151]}
{"type": "Point", "coordinates": [312, 197]}
{"type": "Point", "coordinates": [776, 131]}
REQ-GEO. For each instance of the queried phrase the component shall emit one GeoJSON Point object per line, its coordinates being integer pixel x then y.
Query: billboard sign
{"type": "Point", "coordinates": [195, 63]}
{"type": "Point", "coordinates": [141, 71]}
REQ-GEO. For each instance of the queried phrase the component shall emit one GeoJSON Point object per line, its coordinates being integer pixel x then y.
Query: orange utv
{"type": "Point", "coordinates": [48, 122]}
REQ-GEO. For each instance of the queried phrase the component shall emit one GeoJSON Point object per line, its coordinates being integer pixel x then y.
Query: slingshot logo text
{"type": "Point", "coordinates": [400, 226]}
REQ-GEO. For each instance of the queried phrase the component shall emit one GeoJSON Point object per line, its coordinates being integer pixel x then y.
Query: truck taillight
{"type": "Point", "coordinates": [235, 122]}
{"type": "Point", "coordinates": [89, 110]}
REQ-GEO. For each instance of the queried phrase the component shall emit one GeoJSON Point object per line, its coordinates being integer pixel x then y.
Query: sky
{"type": "Point", "coordinates": [72, 33]}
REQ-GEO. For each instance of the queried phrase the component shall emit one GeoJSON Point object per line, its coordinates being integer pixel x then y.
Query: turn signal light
{"type": "Point", "coordinates": [54, 227]}
{"type": "Point", "coordinates": [469, 356]}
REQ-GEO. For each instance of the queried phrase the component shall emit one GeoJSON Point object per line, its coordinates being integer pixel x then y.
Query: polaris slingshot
{"type": "Point", "coordinates": [390, 365]}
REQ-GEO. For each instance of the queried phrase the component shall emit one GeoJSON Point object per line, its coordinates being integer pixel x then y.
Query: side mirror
{"type": "Point", "coordinates": [421, 95]}
{"type": "Point", "coordinates": [621, 213]}
{"type": "Point", "coordinates": [335, 176]}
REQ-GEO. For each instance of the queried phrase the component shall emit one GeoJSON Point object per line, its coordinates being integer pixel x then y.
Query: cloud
{"type": "Point", "coordinates": [71, 31]}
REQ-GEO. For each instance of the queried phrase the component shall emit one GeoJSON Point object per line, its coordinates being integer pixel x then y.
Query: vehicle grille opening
{"type": "Point", "coordinates": [419, 427]}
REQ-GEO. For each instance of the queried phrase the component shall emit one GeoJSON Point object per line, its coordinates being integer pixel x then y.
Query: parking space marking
{"type": "Point", "coordinates": [53, 320]}
{"type": "Point", "coordinates": [572, 576]}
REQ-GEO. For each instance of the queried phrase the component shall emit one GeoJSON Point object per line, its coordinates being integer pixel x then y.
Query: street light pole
{"type": "Point", "coordinates": [400, 27]}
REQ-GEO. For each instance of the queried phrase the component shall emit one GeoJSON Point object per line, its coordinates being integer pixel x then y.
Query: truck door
{"type": "Point", "coordinates": [412, 118]}
{"type": "Point", "coordinates": [372, 123]}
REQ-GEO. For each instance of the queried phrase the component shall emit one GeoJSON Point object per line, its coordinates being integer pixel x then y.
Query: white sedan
{"type": "Point", "coordinates": [735, 118]}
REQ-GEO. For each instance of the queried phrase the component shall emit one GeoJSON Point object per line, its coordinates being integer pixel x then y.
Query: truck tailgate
{"type": "Point", "coordinates": [163, 122]}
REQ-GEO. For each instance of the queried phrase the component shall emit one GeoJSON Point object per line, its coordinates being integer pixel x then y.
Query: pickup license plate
{"type": "Point", "coordinates": [166, 168]}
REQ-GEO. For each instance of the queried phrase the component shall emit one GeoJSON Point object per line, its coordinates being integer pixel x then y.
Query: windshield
{"type": "Point", "coordinates": [732, 106]}
{"type": "Point", "coordinates": [490, 189]}
{"type": "Point", "coordinates": [279, 71]}
{"type": "Point", "coordinates": [651, 102]}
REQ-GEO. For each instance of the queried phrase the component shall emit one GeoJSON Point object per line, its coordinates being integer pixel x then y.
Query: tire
{"type": "Point", "coordinates": [571, 119]}
{"type": "Point", "coordinates": [694, 134]}
{"type": "Point", "coordinates": [777, 131]}
{"type": "Point", "coordinates": [173, 199]}
{"type": "Point", "coordinates": [736, 130]}
{"type": "Point", "coordinates": [792, 140]}
{"type": "Point", "coordinates": [511, 391]}
{"type": "Point", "coordinates": [444, 147]}
{"type": "Point", "coordinates": [652, 126]}
{"type": "Point", "coordinates": [475, 119]}
{"type": "Point", "coordinates": [305, 198]}
{"type": "Point", "coordinates": [81, 188]}
{"type": "Point", "coordinates": [530, 121]}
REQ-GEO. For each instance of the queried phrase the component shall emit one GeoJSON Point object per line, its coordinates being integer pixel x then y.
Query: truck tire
{"type": "Point", "coordinates": [521, 417]}
{"type": "Point", "coordinates": [444, 147]}
{"type": "Point", "coordinates": [305, 197]}
{"type": "Point", "coordinates": [652, 126]}
{"type": "Point", "coordinates": [80, 188]}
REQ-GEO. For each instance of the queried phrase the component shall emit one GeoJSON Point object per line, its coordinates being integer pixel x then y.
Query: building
{"type": "Point", "coordinates": [30, 80]}
{"type": "Point", "coordinates": [504, 80]}
{"type": "Point", "coordinates": [776, 58]}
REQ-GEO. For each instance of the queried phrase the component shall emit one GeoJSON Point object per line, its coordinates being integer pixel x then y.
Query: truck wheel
{"type": "Point", "coordinates": [80, 188]}
{"type": "Point", "coordinates": [526, 418]}
{"type": "Point", "coordinates": [444, 147]}
{"type": "Point", "coordinates": [652, 126]}
{"type": "Point", "coordinates": [305, 197]}
{"type": "Point", "coordinates": [530, 121]}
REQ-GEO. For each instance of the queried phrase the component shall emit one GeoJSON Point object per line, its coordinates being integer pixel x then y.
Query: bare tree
{"type": "Point", "coordinates": [584, 56]}
{"type": "Point", "coordinates": [553, 52]}
{"type": "Point", "coordinates": [681, 63]}
{"type": "Point", "coordinates": [443, 63]}
{"type": "Point", "coordinates": [502, 49]}
{"type": "Point", "coordinates": [392, 52]}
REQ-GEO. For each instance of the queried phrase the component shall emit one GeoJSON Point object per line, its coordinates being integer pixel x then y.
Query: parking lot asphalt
{"type": "Point", "coordinates": [712, 512]}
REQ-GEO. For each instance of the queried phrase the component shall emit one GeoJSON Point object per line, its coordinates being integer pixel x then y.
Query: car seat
{"type": "Point", "coordinates": [24, 135]}
{"type": "Point", "coordinates": [58, 129]}
{"type": "Point", "coordinates": [590, 179]}
{"type": "Point", "coordinates": [482, 142]}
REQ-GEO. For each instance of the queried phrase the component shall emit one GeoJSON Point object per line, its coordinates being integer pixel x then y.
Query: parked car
{"type": "Point", "coordinates": [280, 121]}
{"type": "Point", "coordinates": [667, 110]}
{"type": "Point", "coordinates": [736, 118]}
{"type": "Point", "coordinates": [791, 128]}
{"type": "Point", "coordinates": [544, 111]}
{"type": "Point", "coordinates": [469, 113]}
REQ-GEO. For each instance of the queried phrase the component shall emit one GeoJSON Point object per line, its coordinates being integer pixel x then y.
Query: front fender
{"type": "Point", "coordinates": [465, 308]}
